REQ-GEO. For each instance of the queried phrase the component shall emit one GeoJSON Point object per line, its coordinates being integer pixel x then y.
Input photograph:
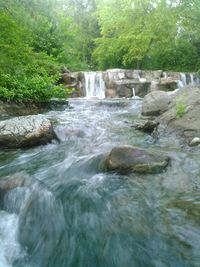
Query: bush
{"type": "Point", "coordinates": [180, 110]}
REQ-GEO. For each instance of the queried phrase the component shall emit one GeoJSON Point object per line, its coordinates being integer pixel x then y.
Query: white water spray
{"type": "Point", "coordinates": [10, 249]}
{"type": "Point", "coordinates": [94, 85]}
{"type": "Point", "coordinates": [133, 89]}
{"type": "Point", "coordinates": [183, 81]}
{"type": "Point", "coordinates": [192, 79]}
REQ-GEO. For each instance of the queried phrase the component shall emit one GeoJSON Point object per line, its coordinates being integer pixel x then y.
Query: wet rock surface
{"type": "Point", "coordinates": [25, 131]}
{"type": "Point", "coordinates": [127, 159]}
{"type": "Point", "coordinates": [147, 126]}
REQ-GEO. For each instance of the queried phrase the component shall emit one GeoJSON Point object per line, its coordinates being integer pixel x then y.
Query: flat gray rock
{"type": "Point", "coordinates": [25, 131]}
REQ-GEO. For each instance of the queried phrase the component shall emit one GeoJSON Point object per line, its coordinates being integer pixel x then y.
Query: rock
{"type": "Point", "coordinates": [186, 126]}
{"type": "Point", "coordinates": [155, 103]}
{"type": "Point", "coordinates": [120, 82]}
{"type": "Point", "coordinates": [58, 104]}
{"type": "Point", "coordinates": [195, 141]}
{"type": "Point", "coordinates": [147, 126]}
{"type": "Point", "coordinates": [127, 159]}
{"type": "Point", "coordinates": [111, 93]}
{"type": "Point", "coordinates": [25, 131]}
{"type": "Point", "coordinates": [17, 180]}
{"type": "Point", "coordinates": [68, 78]}
{"type": "Point", "coordinates": [21, 109]}
{"type": "Point", "coordinates": [168, 85]}
{"type": "Point", "coordinates": [151, 75]}
{"type": "Point", "coordinates": [9, 184]}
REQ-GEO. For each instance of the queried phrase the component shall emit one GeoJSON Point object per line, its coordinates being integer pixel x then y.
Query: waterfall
{"type": "Point", "coordinates": [94, 85]}
{"type": "Point", "coordinates": [10, 249]}
{"type": "Point", "coordinates": [192, 80]}
{"type": "Point", "coordinates": [133, 90]}
{"type": "Point", "coordinates": [183, 81]}
{"type": "Point", "coordinates": [165, 76]}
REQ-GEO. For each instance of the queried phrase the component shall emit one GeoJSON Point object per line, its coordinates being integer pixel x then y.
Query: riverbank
{"type": "Point", "coordinates": [14, 109]}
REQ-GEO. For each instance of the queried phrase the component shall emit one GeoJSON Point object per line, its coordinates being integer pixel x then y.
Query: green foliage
{"type": "Point", "coordinates": [39, 36]}
{"type": "Point", "coordinates": [180, 110]}
{"type": "Point", "coordinates": [149, 34]}
{"type": "Point", "coordinates": [35, 41]}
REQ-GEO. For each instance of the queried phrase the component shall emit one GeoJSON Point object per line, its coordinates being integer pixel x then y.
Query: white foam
{"type": "Point", "coordinates": [10, 249]}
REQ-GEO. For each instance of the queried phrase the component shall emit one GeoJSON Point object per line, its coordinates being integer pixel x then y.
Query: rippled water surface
{"type": "Point", "coordinates": [70, 213]}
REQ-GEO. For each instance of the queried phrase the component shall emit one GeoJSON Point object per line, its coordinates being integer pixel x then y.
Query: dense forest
{"type": "Point", "coordinates": [38, 37]}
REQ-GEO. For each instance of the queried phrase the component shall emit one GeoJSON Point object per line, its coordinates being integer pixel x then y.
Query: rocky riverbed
{"type": "Point", "coordinates": [105, 193]}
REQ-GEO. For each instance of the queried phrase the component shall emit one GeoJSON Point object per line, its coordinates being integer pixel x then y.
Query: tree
{"type": "Point", "coordinates": [144, 34]}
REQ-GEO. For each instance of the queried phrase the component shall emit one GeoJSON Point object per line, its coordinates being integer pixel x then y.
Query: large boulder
{"type": "Point", "coordinates": [25, 131]}
{"type": "Point", "coordinates": [155, 103]}
{"type": "Point", "coordinates": [127, 159]}
{"type": "Point", "coordinates": [182, 116]}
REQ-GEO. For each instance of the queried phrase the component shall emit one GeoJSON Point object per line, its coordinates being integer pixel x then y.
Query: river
{"type": "Point", "coordinates": [70, 213]}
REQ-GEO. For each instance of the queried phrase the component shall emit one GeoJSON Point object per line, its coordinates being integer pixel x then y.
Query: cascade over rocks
{"type": "Point", "coordinates": [25, 131]}
{"type": "Point", "coordinates": [119, 83]}
{"type": "Point", "coordinates": [155, 103]}
{"type": "Point", "coordinates": [127, 159]}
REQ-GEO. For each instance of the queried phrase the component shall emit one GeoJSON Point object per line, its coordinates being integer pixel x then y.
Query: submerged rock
{"type": "Point", "coordinates": [10, 183]}
{"type": "Point", "coordinates": [127, 159]}
{"type": "Point", "coordinates": [155, 103]}
{"type": "Point", "coordinates": [25, 131]}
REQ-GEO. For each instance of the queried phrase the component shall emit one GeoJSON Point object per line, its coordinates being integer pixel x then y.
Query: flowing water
{"type": "Point", "coordinates": [94, 85]}
{"type": "Point", "coordinates": [70, 213]}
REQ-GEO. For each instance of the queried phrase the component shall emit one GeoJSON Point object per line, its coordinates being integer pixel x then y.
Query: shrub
{"type": "Point", "coordinates": [180, 109]}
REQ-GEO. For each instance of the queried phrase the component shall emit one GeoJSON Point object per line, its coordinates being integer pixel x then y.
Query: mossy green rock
{"type": "Point", "coordinates": [127, 159]}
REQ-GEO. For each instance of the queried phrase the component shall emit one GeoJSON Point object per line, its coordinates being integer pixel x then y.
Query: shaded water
{"type": "Point", "coordinates": [69, 213]}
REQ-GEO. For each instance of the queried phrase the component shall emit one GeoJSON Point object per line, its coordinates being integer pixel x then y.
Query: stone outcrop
{"type": "Point", "coordinates": [25, 131]}
{"type": "Point", "coordinates": [155, 103]}
{"type": "Point", "coordinates": [127, 159]}
{"type": "Point", "coordinates": [182, 115]}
